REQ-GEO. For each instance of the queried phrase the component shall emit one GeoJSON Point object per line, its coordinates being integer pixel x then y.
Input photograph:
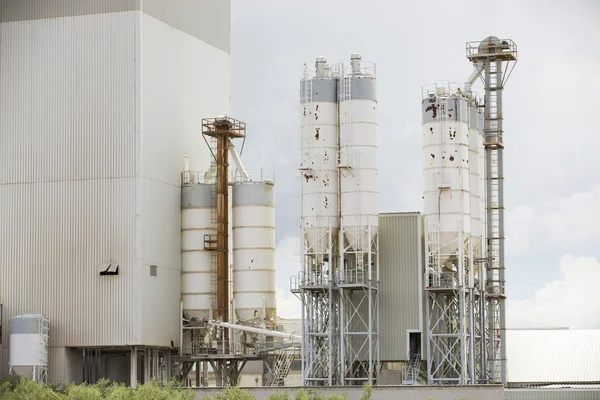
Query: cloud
{"type": "Point", "coordinates": [287, 265]}
{"type": "Point", "coordinates": [572, 301]}
{"type": "Point", "coordinates": [288, 305]}
{"type": "Point", "coordinates": [567, 223]}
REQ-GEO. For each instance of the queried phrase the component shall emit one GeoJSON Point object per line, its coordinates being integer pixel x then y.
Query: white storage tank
{"type": "Point", "coordinates": [318, 168]}
{"type": "Point", "coordinates": [358, 154]}
{"type": "Point", "coordinates": [253, 231]}
{"type": "Point", "coordinates": [445, 130]}
{"type": "Point", "coordinates": [198, 262]}
{"type": "Point", "coordinates": [29, 346]}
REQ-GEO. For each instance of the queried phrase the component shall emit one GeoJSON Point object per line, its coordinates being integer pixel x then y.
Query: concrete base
{"type": "Point", "coordinates": [490, 392]}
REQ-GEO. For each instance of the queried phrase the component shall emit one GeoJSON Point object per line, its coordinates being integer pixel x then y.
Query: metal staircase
{"type": "Point", "coordinates": [412, 374]}
{"type": "Point", "coordinates": [282, 367]}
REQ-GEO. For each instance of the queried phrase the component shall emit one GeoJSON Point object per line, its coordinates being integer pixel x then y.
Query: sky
{"type": "Point", "coordinates": [551, 135]}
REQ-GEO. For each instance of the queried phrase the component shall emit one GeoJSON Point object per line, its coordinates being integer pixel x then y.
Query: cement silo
{"type": "Point", "coordinates": [253, 230]}
{"type": "Point", "coordinates": [318, 165]}
{"type": "Point", "coordinates": [449, 267]}
{"type": "Point", "coordinates": [339, 223]}
{"type": "Point", "coordinates": [359, 221]}
{"type": "Point", "coordinates": [29, 346]}
{"type": "Point", "coordinates": [358, 157]}
{"type": "Point", "coordinates": [319, 221]}
{"type": "Point", "coordinates": [198, 264]}
{"type": "Point", "coordinates": [446, 172]}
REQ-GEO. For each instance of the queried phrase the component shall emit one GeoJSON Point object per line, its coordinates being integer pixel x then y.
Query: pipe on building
{"type": "Point", "coordinates": [289, 336]}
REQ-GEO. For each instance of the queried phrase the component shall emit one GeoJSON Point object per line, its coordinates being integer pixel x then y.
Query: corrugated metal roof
{"type": "Point", "coordinates": [553, 355]}
{"type": "Point", "coordinates": [552, 394]}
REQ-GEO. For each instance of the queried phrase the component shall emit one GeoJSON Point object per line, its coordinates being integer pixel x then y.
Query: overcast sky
{"type": "Point", "coordinates": [552, 134]}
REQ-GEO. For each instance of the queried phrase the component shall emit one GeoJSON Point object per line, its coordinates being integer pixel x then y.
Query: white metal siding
{"type": "Point", "coordinates": [207, 20]}
{"type": "Point", "coordinates": [67, 99]}
{"type": "Point", "coordinates": [562, 355]}
{"type": "Point", "coordinates": [552, 394]}
{"type": "Point", "coordinates": [400, 284]}
{"type": "Point", "coordinates": [19, 10]}
{"type": "Point", "coordinates": [90, 156]}
{"type": "Point", "coordinates": [67, 153]}
{"type": "Point", "coordinates": [183, 79]}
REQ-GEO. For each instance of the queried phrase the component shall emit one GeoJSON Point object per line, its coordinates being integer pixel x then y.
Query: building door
{"type": "Point", "coordinates": [414, 344]}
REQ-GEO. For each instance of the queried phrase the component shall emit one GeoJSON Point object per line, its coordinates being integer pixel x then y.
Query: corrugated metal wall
{"type": "Point", "coordinates": [66, 175]}
{"type": "Point", "coordinates": [90, 159]}
{"type": "Point", "coordinates": [214, 28]}
{"type": "Point", "coordinates": [562, 355]}
{"type": "Point", "coordinates": [400, 290]}
{"type": "Point", "coordinates": [67, 167]}
{"type": "Point", "coordinates": [552, 394]}
{"type": "Point", "coordinates": [171, 111]}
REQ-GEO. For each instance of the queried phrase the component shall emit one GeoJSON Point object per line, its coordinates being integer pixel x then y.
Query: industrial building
{"type": "Point", "coordinates": [93, 139]}
{"type": "Point", "coordinates": [136, 245]}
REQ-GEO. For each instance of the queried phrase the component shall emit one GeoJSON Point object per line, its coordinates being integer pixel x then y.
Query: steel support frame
{"type": "Point", "coordinates": [454, 348]}
{"type": "Point", "coordinates": [452, 312]}
{"type": "Point", "coordinates": [359, 310]}
{"type": "Point", "coordinates": [227, 372]}
{"type": "Point", "coordinates": [320, 312]}
{"type": "Point", "coordinates": [495, 279]}
{"type": "Point", "coordinates": [495, 56]}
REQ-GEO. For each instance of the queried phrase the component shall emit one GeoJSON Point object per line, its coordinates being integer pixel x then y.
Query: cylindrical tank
{"type": "Point", "coordinates": [198, 262]}
{"type": "Point", "coordinates": [475, 187]}
{"type": "Point", "coordinates": [358, 154]}
{"type": "Point", "coordinates": [445, 129]}
{"type": "Point", "coordinates": [29, 346]}
{"type": "Point", "coordinates": [318, 169]}
{"type": "Point", "coordinates": [253, 230]}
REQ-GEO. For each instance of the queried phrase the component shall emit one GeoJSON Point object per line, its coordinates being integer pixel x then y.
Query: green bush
{"type": "Point", "coordinates": [367, 392]}
{"type": "Point", "coordinates": [231, 393]}
{"type": "Point", "coordinates": [15, 388]}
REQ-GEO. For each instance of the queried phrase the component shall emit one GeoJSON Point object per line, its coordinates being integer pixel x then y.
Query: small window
{"type": "Point", "coordinates": [109, 269]}
{"type": "Point", "coordinates": [153, 270]}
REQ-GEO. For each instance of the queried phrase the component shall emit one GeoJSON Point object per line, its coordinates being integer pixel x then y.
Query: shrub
{"type": "Point", "coordinates": [231, 393]}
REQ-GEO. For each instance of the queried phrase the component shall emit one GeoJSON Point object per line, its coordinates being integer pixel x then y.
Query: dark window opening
{"type": "Point", "coordinates": [109, 269]}
{"type": "Point", "coordinates": [153, 270]}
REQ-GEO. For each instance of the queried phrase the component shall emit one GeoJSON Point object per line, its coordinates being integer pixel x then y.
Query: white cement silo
{"type": "Point", "coordinates": [253, 231]}
{"type": "Point", "coordinates": [319, 147]}
{"type": "Point", "coordinates": [358, 154]}
{"type": "Point", "coordinates": [198, 262]}
{"type": "Point", "coordinates": [446, 172]}
{"type": "Point", "coordinates": [29, 346]}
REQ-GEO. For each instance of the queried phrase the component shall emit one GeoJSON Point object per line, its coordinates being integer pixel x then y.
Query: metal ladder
{"type": "Point", "coordinates": [412, 374]}
{"type": "Point", "coordinates": [282, 367]}
{"type": "Point", "coordinates": [213, 210]}
{"type": "Point", "coordinates": [213, 280]}
{"type": "Point", "coordinates": [345, 119]}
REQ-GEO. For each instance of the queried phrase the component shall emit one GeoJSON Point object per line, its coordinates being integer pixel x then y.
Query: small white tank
{"type": "Point", "coordinates": [29, 346]}
{"type": "Point", "coordinates": [198, 222]}
{"type": "Point", "coordinates": [253, 231]}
